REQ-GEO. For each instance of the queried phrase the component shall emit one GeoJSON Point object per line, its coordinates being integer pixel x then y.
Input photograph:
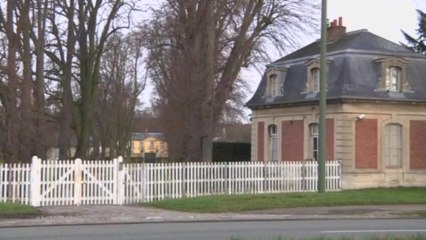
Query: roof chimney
{"type": "Point", "coordinates": [336, 30]}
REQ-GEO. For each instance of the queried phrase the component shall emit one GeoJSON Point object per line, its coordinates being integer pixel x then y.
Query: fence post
{"type": "Point", "coordinates": [35, 181]}
{"type": "Point", "coordinates": [304, 185]}
{"type": "Point", "coordinates": [340, 171]}
{"type": "Point", "coordinates": [229, 165]}
{"type": "Point", "coordinates": [184, 180]}
{"type": "Point", "coordinates": [77, 181]}
{"type": "Point", "coordinates": [118, 172]}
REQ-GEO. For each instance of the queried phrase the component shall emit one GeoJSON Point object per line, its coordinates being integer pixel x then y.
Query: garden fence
{"type": "Point", "coordinates": [78, 182]}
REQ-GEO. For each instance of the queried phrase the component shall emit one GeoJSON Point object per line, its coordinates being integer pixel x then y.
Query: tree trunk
{"type": "Point", "coordinates": [26, 128]}
{"type": "Point", "coordinates": [40, 101]}
{"type": "Point", "coordinates": [12, 119]}
{"type": "Point", "coordinates": [67, 111]}
{"type": "Point", "coordinates": [208, 69]}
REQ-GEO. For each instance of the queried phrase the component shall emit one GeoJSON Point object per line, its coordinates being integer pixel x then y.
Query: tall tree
{"type": "Point", "coordinates": [9, 81]}
{"type": "Point", "coordinates": [22, 83]}
{"type": "Point", "coordinates": [91, 47]}
{"type": "Point", "coordinates": [417, 44]}
{"type": "Point", "coordinates": [62, 57]}
{"type": "Point", "coordinates": [79, 32]}
{"type": "Point", "coordinates": [196, 51]}
{"type": "Point", "coordinates": [61, 42]}
{"type": "Point", "coordinates": [41, 9]}
{"type": "Point", "coordinates": [121, 82]}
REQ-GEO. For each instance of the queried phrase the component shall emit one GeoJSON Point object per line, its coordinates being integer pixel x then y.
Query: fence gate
{"type": "Point", "coordinates": [133, 178]}
{"type": "Point", "coordinates": [77, 182]}
{"type": "Point", "coordinates": [61, 183]}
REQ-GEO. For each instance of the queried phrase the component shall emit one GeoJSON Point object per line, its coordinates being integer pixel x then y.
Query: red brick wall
{"type": "Point", "coordinates": [292, 140]}
{"type": "Point", "coordinates": [260, 141]}
{"type": "Point", "coordinates": [330, 139]}
{"type": "Point", "coordinates": [417, 144]}
{"type": "Point", "coordinates": [366, 144]}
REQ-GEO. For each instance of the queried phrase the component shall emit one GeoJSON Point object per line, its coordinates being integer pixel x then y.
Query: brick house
{"type": "Point", "coordinates": [376, 109]}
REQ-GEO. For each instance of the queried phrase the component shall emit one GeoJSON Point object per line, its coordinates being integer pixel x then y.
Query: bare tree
{"type": "Point", "coordinates": [79, 32]}
{"type": "Point", "coordinates": [61, 61]}
{"type": "Point", "coordinates": [196, 52]}
{"type": "Point", "coordinates": [146, 120]}
{"type": "Point", "coordinates": [21, 86]}
{"type": "Point", "coordinates": [120, 85]}
{"type": "Point", "coordinates": [9, 81]}
{"type": "Point", "coordinates": [72, 34]}
{"type": "Point", "coordinates": [91, 47]}
{"type": "Point", "coordinates": [41, 9]}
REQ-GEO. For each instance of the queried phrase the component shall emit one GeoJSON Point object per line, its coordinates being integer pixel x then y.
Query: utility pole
{"type": "Point", "coordinates": [323, 99]}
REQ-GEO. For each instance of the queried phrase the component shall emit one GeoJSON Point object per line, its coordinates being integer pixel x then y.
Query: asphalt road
{"type": "Point", "coordinates": [246, 230]}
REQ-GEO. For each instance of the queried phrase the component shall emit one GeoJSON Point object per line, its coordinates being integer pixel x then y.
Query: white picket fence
{"type": "Point", "coordinates": [77, 182]}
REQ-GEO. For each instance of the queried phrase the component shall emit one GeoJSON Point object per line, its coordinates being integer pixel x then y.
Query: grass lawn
{"type": "Point", "coordinates": [9, 210]}
{"type": "Point", "coordinates": [237, 203]}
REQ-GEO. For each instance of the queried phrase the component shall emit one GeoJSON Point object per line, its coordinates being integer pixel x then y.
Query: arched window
{"type": "Point", "coordinates": [315, 78]}
{"type": "Point", "coordinates": [273, 142]}
{"type": "Point", "coordinates": [314, 134]}
{"type": "Point", "coordinates": [393, 79]}
{"type": "Point", "coordinates": [392, 146]}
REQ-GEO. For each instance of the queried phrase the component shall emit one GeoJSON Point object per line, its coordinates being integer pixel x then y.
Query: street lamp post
{"type": "Point", "coordinates": [323, 99]}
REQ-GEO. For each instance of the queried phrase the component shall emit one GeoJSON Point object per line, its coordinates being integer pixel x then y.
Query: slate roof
{"type": "Point", "coordinates": [353, 72]}
{"type": "Point", "coordinates": [138, 136]}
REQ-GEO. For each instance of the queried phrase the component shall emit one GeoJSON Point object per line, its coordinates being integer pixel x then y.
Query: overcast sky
{"type": "Point", "coordinates": [385, 18]}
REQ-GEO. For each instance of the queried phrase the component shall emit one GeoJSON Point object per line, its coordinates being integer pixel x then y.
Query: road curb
{"type": "Point", "coordinates": [320, 218]}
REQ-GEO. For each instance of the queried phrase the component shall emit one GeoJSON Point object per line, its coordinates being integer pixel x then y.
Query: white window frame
{"type": "Point", "coordinates": [313, 75]}
{"type": "Point", "coordinates": [392, 145]}
{"type": "Point", "coordinates": [273, 85]}
{"type": "Point", "coordinates": [314, 140]}
{"type": "Point", "coordinates": [393, 79]}
{"type": "Point", "coordinates": [315, 78]}
{"type": "Point", "coordinates": [275, 77]}
{"type": "Point", "coordinates": [273, 142]}
{"type": "Point", "coordinates": [393, 75]}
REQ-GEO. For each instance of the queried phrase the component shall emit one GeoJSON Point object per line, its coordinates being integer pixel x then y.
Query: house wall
{"type": "Point", "coordinates": [377, 174]}
{"type": "Point", "coordinates": [293, 124]}
{"type": "Point", "coordinates": [358, 143]}
{"type": "Point", "coordinates": [150, 144]}
{"type": "Point", "coordinates": [418, 144]}
{"type": "Point", "coordinates": [260, 141]}
{"type": "Point", "coordinates": [292, 140]}
{"type": "Point", "coordinates": [366, 144]}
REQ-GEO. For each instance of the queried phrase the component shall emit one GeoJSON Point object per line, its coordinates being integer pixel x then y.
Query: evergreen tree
{"type": "Point", "coordinates": [417, 44]}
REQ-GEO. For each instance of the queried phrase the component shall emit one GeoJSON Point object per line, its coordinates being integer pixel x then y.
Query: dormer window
{"type": "Point", "coordinates": [315, 77]}
{"type": "Point", "coordinates": [273, 85]}
{"type": "Point", "coordinates": [393, 79]}
{"type": "Point", "coordinates": [393, 75]}
{"type": "Point", "coordinates": [275, 81]}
